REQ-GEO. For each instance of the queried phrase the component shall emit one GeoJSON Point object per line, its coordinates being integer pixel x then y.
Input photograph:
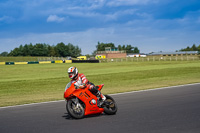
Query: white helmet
{"type": "Point", "coordinates": [73, 72]}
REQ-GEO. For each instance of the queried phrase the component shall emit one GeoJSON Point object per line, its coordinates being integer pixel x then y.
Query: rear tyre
{"type": "Point", "coordinates": [74, 110]}
{"type": "Point", "coordinates": [110, 106]}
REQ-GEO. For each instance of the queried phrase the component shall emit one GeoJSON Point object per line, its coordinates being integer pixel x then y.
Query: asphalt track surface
{"type": "Point", "coordinates": [168, 110]}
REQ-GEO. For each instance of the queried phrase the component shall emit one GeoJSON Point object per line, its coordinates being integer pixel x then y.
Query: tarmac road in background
{"type": "Point", "coordinates": [168, 110]}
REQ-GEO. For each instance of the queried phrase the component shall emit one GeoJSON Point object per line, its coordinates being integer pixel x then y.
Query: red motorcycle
{"type": "Point", "coordinates": [81, 102]}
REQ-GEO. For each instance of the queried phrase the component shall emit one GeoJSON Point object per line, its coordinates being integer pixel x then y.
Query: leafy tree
{"type": "Point", "coordinates": [193, 48]}
{"type": "Point", "coordinates": [26, 51]}
{"type": "Point", "coordinates": [42, 49]}
{"type": "Point", "coordinates": [102, 46]}
{"type": "Point", "coordinates": [77, 52]}
{"type": "Point", "coordinates": [4, 53]}
{"type": "Point", "coordinates": [68, 50]}
{"type": "Point", "coordinates": [123, 47]}
{"type": "Point", "coordinates": [127, 48]}
{"type": "Point", "coordinates": [61, 49]}
{"type": "Point", "coordinates": [20, 50]}
{"type": "Point", "coordinates": [14, 52]}
{"type": "Point", "coordinates": [198, 48]}
{"type": "Point", "coordinates": [51, 51]}
{"type": "Point", "coordinates": [136, 50]}
{"type": "Point", "coordinates": [119, 47]}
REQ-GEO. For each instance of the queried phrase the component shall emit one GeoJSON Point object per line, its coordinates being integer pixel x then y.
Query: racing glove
{"type": "Point", "coordinates": [82, 86]}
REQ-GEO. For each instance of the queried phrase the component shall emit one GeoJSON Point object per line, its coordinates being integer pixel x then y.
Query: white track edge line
{"type": "Point", "coordinates": [108, 94]}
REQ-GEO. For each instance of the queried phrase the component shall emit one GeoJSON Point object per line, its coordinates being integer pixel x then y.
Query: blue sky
{"type": "Point", "coordinates": [151, 25]}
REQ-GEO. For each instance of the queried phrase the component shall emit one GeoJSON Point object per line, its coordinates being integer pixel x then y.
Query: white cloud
{"type": "Point", "coordinates": [55, 18]}
{"type": "Point", "coordinates": [139, 27]}
{"type": "Point", "coordinates": [6, 19]}
{"type": "Point", "coordinates": [96, 4]}
{"type": "Point", "coordinates": [129, 2]}
{"type": "Point", "coordinates": [118, 14]}
{"type": "Point", "coordinates": [146, 39]}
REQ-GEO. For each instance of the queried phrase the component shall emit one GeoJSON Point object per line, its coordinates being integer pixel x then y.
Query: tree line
{"type": "Point", "coordinates": [127, 48]}
{"type": "Point", "coordinates": [62, 50]}
{"type": "Point", "coordinates": [193, 48]}
{"type": "Point", "coordinates": [42, 49]}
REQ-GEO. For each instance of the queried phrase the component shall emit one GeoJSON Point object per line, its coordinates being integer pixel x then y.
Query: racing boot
{"type": "Point", "coordinates": [102, 98]}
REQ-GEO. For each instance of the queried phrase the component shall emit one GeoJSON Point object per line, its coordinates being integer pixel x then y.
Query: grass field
{"type": "Point", "coordinates": [22, 84]}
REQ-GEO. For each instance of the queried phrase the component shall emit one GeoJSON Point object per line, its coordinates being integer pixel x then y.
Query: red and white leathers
{"type": "Point", "coordinates": [82, 82]}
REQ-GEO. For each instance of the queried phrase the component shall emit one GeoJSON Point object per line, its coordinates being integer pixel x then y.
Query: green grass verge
{"type": "Point", "coordinates": [20, 58]}
{"type": "Point", "coordinates": [22, 84]}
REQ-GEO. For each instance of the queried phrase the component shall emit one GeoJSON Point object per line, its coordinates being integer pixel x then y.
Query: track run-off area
{"type": "Point", "coordinates": [163, 110]}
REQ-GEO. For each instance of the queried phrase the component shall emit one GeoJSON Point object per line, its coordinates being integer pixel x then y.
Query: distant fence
{"type": "Point", "coordinates": [128, 59]}
{"type": "Point", "coordinates": [85, 61]}
{"type": "Point", "coordinates": [46, 62]}
{"type": "Point", "coordinates": [152, 58]}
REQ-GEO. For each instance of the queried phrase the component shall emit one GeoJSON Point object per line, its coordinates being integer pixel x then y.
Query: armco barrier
{"type": "Point", "coordinates": [44, 62]}
{"type": "Point", "coordinates": [85, 61]}
{"type": "Point", "coordinates": [10, 63]}
{"type": "Point", "coordinates": [19, 63]}
{"type": "Point", "coordinates": [2, 63]}
{"type": "Point", "coordinates": [33, 62]}
{"type": "Point", "coordinates": [58, 61]}
{"type": "Point", "coordinates": [68, 61]}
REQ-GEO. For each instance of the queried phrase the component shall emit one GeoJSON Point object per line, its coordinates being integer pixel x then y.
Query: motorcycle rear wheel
{"type": "Point", "coordinates": [74, 113]}
{"type": "Point", "coordinates": [110, 107]}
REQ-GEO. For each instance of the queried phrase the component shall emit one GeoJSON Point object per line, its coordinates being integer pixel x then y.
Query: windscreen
{"type": "Point", "coordinates": [68, 85]}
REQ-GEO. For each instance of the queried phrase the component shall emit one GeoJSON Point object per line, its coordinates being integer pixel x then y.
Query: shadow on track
{"type": "Point", "coordinates": [68, 117]}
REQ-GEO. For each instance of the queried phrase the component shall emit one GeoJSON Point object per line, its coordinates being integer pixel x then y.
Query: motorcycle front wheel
{"type": "Point", "coordinates": [110, 106]}
{"type": "Point", "coordinates": [75, 110]}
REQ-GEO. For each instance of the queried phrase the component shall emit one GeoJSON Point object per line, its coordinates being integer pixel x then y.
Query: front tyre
{"type": "Point", "coordinates": [75, 110]}
{"type": "Point", "coordinates": [110, 106]}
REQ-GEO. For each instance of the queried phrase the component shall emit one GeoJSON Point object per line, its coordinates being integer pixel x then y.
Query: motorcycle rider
{"type": "Point", "coordinates": [82, 82]}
